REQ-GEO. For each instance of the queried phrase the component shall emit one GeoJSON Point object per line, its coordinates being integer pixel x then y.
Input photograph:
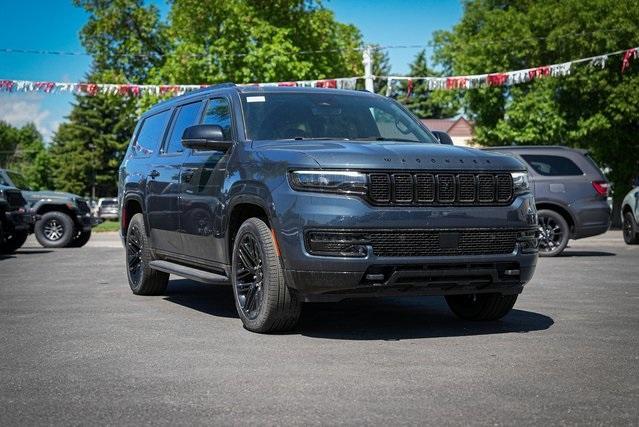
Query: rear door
{"type": "Point", "coordinates": [166, 184]}
{"type": "Point", "coordinates": [202, 179]}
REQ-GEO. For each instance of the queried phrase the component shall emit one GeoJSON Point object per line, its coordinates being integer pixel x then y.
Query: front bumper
{"type": "Point", "coordinates": [19, 220]}
{"type": "Point", "coordinates": [334, 278]}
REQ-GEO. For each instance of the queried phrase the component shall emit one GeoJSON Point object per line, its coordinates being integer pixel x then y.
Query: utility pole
{"type": "Point", "coordinates": [367, 59]}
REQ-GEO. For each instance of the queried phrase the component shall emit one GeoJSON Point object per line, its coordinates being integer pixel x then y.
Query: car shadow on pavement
{"type": "Point", "coordinates": [570, 253]}
{"type": "Point", "coordinates": [406, 318]}
{"type": "Point", "coordinates": [25, 252]}
{"type": "Point", "coordinates": [364, 319]}
{"type": "Point", "coordinates": [216, 300]}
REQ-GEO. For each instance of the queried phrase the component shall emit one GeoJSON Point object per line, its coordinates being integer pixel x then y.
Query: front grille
{"type": "Point", "coordinates": [15, 199]}
{"type": "Point", "coordinates": [82, 206]}
{"type": "Point", "coordinates": [398, 243]}
{"type": "Point", "coordinates": [447, 188]}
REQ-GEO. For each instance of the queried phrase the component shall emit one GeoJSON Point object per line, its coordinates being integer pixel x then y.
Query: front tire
{"type": "Point", "coordinates": [11, 242]}
{"type": "Point", "coordinates": [263, 301]}
{"type": "Point", "coordinates": [554, 233]}
{"type": "Point", "coordinates": [481, 306]}
{"type": "Point", "coordinates": [630, 229]}
{"type": "Point", "coordinates": [55, 230]}
{"type": "Point", "coordinates": [80, 239]}
{"type": "Point", "coordinates": [143, 280]}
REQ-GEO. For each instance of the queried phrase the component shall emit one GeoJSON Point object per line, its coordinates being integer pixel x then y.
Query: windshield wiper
{"type": "Point", "coordinates": [381, 138]}
{"type": "Point", "coordinates": [322, 138]}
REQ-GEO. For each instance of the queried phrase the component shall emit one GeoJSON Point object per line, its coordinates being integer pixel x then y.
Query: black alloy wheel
{"type": "Point", "coordinates": [143, 280]}
{"type": "Point", "coordinates": [249, 276]}
{"type": "Point", "coordinates": [134, 255]}
{"type": "Point", "coordinates": [553, 233]}
{"type": "Point", "coordinates": [264, 301]}
{"type": "Point", "coordinates": [630, 233]}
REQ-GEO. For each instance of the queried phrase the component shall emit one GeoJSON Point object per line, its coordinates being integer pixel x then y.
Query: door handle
{"type": "Point", "coordinates": [154, 174]}
{"type": "Point", "coordinates": [187, 174]}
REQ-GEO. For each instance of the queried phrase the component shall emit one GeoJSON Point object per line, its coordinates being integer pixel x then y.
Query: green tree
{"type": "Point", "coordinates": [592, 108]}
{"type": "Point", "coordinates": [425, 103]}
{"type": "Point", "coordinates": [23, 150]}
{"type": "Point", "coordinates": [87, 150]}
{"type": "Point", "coordinates": [126, 40]}
{"type": "Point", "coordinates": [247, 41]}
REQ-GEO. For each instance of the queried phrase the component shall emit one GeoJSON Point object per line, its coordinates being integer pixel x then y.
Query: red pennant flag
{"type": "Point", "coordinates": [627, 57]}
{"type": "Point", "coordinates": [409, 88]}
{"type": "Point", "coordinates": [497, 79]}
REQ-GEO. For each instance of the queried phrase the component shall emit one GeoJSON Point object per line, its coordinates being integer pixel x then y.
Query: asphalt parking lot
{"type": "Point", "coordinates": [78, 348]}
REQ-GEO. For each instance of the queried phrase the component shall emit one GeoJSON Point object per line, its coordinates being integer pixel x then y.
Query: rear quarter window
{"type": "Point", "coordinates": [151, 133]}
{"type": "Point", "coordinates": [548, 165]}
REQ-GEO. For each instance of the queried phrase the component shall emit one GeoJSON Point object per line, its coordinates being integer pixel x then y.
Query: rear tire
{"type": "Point", "coordinates": [630, 229]}
{"type": "Point", "coordinates": [55, 230]}
{"type": "Point", "coordinates": [263, 301]}
{"type": "Point", "coordinates": [11, 242]}
{"type": "Point", "coordinates": [554, 233]}
{"type": "Point", "coordinates": [81, 239]}
{"type": "Point", "coordinates": [143, 280]}
{"type": "Point", "coordinates": [481, 306]}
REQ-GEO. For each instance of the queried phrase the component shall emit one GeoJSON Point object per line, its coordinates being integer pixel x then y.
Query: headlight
{"type": "Point", "coordinates": [344, 182]}
{"type": "Point", "coordinates": [521, 184]}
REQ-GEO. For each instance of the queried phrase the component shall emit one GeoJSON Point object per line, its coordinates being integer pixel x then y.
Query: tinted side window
{"type": "Point", "coordinates": [218, 112]}
{"type": "Point", "coordinates": [552, 165]}
{"type": "Point", "coordinates": [151, 133]}
{"type": "Point", "coordinates": [186, 116]}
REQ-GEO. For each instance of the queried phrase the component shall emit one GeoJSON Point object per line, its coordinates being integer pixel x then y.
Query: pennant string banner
{"type": "Point", "coordinates": [432, 83]}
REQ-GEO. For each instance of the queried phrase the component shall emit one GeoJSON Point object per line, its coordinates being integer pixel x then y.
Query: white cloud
{"type": "Point", "coordinates": [20, 109]}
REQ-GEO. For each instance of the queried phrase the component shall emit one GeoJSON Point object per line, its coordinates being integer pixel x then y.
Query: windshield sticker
{"type": "Point", "coordinates": [255, 99]}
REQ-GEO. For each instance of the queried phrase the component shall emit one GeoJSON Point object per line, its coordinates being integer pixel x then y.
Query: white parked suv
{"type": "Point", "coordinates": [107, 208]}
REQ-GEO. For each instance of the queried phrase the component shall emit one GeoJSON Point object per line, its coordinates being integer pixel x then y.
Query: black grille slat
{"type": "Point", "coordinates": [447, 188]}
{"type": "Point", "coordinates": [485, 188]}
{"type": "Point", "coordinates": [403, 187]}
{"type": "Point", "coordinates": [424, 188]}
{"type": "Point", "coordinates": [504, 187]}
{"type": "Point", "coordinates": [379, 187]}
{"type": "Point", "coordinates": [466, 188]}
{"type": "Point", "coordinates": [394, 243]}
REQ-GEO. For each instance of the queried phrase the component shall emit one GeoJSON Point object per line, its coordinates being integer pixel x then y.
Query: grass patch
{"type": "Point", "coordinates": [109, 225]}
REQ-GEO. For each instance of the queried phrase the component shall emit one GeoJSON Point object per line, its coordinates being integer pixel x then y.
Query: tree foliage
{"type": "Point", "coordinates": [424, 103]}
{"type": "Point", "coordinates": [247, 41]}
{"type": "Point", "coordinates": [87, 150]}
{"type": "Point", "coordinates": [593, 108]}
{"type": "Point", "coordinates": [23, 150]}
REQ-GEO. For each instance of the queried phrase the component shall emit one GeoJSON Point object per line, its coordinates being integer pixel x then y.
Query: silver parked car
{"type": "Point", "coordinates": [630, 216]}
{"type": "Point", "coordinates": [107, 208]}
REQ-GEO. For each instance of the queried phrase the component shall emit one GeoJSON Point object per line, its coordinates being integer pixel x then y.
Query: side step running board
{"type": "Point", "coordinates": [188, 272]}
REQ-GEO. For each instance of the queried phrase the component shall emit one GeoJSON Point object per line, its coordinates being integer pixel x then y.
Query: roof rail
{"type": "Point", "coordinates": [193, 92]}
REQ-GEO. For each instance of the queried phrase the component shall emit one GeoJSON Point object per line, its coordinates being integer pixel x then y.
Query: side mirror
{"type": "Point", "coordinates": [205, 137]}
{"type": "Point", "coordinates": [443, 137]}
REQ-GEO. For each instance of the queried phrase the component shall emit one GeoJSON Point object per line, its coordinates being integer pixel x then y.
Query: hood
{"type": "Point", "coordinates": [35, 196]}
{"type": "Point", "coordinates": [396, 155]}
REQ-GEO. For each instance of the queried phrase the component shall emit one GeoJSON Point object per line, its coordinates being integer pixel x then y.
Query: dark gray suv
{"type": "Point", "coordinates": [300, 194]}
{"type": "Point", "coordinates": [571, 193]}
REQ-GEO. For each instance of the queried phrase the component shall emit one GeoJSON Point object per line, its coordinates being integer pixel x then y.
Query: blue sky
{"type": "Point", "coordinates": [55, 24]}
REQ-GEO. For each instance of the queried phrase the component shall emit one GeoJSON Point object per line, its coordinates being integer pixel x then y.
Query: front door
{"type": "Point", "coordinates": [202, 177]}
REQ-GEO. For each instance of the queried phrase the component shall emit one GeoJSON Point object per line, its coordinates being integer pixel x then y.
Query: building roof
{"type": "Point", "coordinates": [459, 127]}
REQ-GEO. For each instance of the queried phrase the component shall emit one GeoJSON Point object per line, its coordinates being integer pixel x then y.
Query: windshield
{"type": "Point", "coordinates": [109, 202]}
{"type": "Point", "coordinates": [18, 180]}
{"type": "Point", "coordinates": [302, 116]}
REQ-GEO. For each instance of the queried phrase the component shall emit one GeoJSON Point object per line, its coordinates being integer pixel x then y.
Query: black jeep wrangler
{"type": "Point", "coordinates": [15, 219]}
{"type": "Point", "coordinates": [297, 194]}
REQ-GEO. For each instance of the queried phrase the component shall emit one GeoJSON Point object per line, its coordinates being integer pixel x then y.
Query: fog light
{"type": "Point", "coordinates": [337, 244]}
